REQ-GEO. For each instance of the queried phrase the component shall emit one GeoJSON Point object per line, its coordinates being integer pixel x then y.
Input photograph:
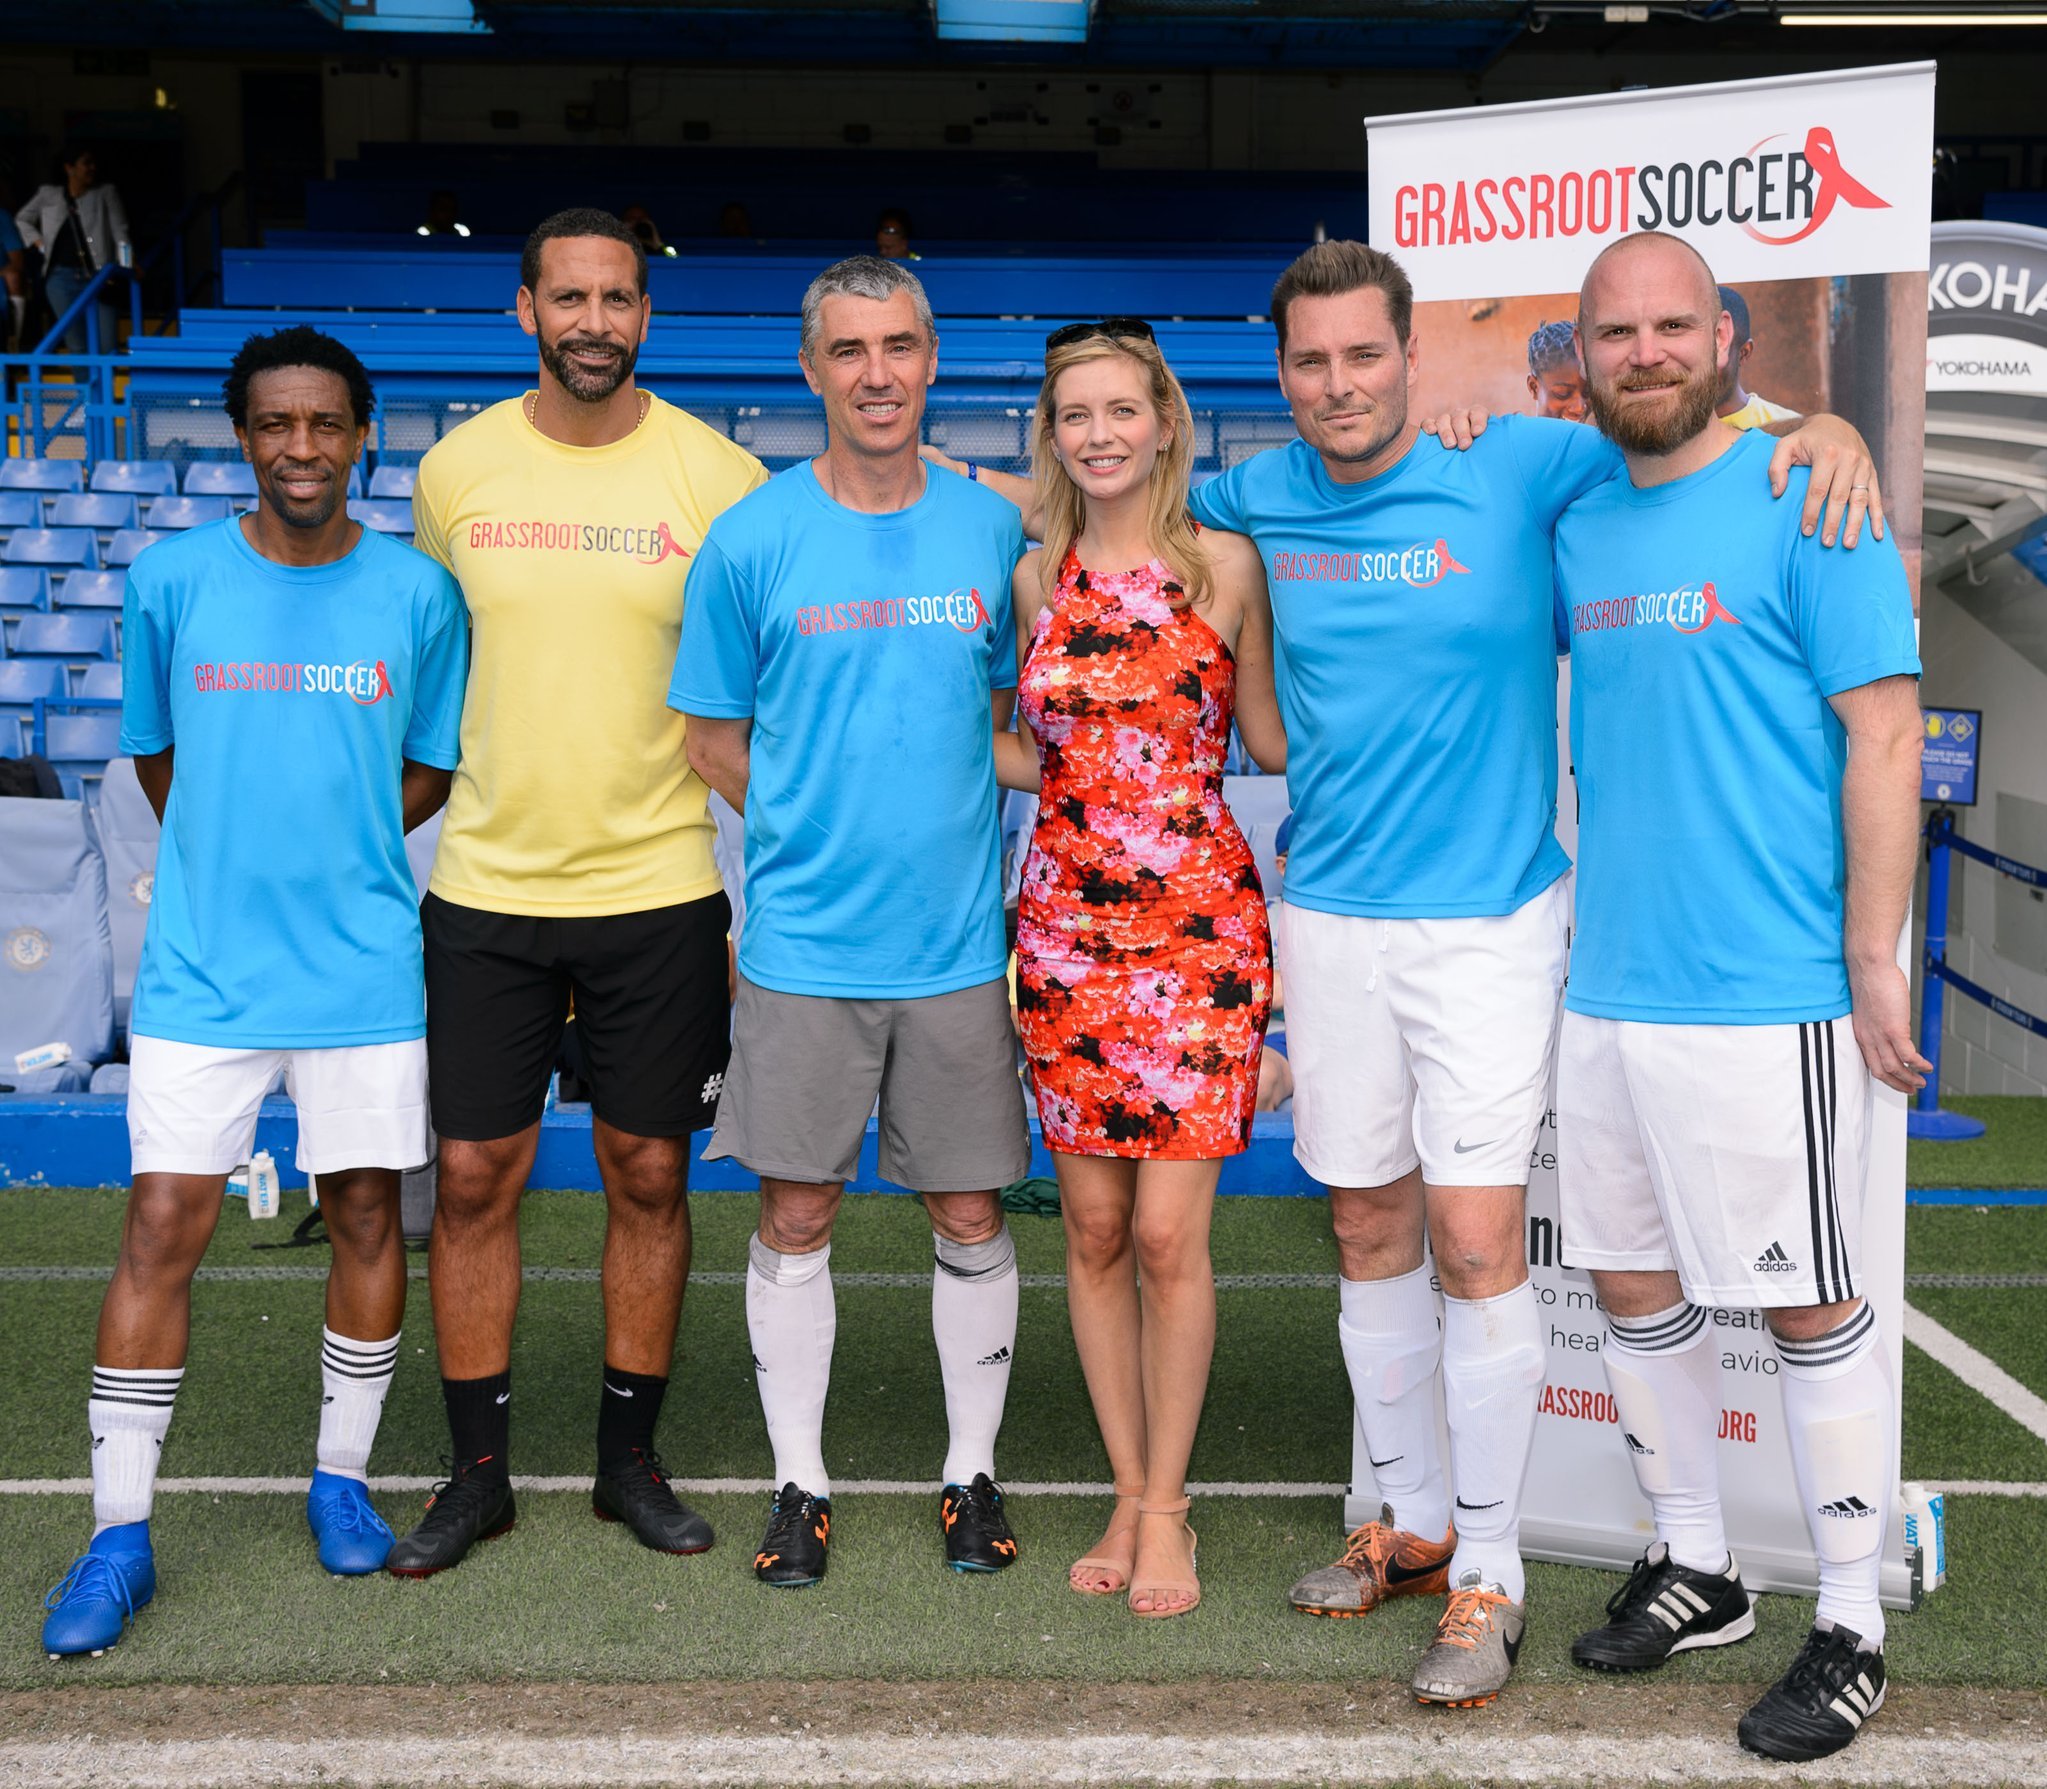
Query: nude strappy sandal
{"type": "Point", "coordinates": [1101, 1562]}
{"type": "Point", "coordinates": [1189, 1586]}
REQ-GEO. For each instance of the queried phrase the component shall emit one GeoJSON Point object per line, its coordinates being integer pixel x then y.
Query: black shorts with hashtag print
{"type": "Point", "coordinates": [652, 1005]}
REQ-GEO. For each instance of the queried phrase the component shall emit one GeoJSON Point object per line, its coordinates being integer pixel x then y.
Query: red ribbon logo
{"type": "Point", "coordinates": [666, 546]}
{"type": "Point", "coordinates": [980, 615]}
{"type": "Point", "coordinates": [383, 689]}
{"type": "Point", "coordinates": [1836, 186]}
{"type": "Point", "coordinates": [1714, 612]}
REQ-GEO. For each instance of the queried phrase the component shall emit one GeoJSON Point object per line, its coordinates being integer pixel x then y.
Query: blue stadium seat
{"type": "Point", "coordinates": [42, 475]}
{"type": "Point", "coordinates": [394, 481]}
{"type": "Point", "coordinates": [20, 509]}
{"type": "Point", "coordinates": [79, 744]}
{"type": "Point", "coordinates": [128, 834]}
{"type": "Point", "coordinates": [129, 542]}
{"type": "Point", "coordinates": [76, 639]}
{"type": "Point", "coordinates": [220, 478]}
{"type": "Point", "coordinates": [186, 512]}
{"type": "Point", "coordinates": [51, 546]}
{"type": "Point", "coordinates": [53, 915]}
{"type": "Point", "coordinates": [385, 518]}
{"type": "Point", "coordinates": [105, 510]}
{"type": "Point", "coordinates": [21, 682]}
{"type": "Point", "coordinates": [92, 590]}
{"type": "Point", "coordinates": [141, 478]}
{"type": "Point", "coordinates": [24, 590]}
{"type": "Point", "coordinates": [101, 680]}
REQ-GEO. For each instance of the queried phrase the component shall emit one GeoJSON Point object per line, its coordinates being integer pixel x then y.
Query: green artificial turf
{"type": "Point", "coordinates": [1974, 1239]}
{"type": "Point", "coordinates": [2011, 1153]}
{"type": "Point", "coordinates": [563, 1596]}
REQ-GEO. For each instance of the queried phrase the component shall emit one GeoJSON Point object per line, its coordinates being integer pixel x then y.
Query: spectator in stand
{"type": "Point", "coordinates": [637, 219]}
{"type": "Point", "coordinates": [892, 236]}
{"type": "Point", "coordinates": [78, 226]}
{"type": "Point", "coordinates": [443, 216]}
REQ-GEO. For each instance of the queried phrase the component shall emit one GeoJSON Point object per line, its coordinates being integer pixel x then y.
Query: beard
{"type": "Point", "coordinates": [313, 512]}
{"type": "Point", "coordinates": [1641, 429]}
{"type": "Point", "coordinates": [1382, 423]}
{"type": "Point", "coordinates": [580, 382]}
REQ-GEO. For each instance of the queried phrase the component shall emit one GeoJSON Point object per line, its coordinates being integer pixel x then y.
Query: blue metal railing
{"type": "Point", "coordinates": [1926, 1119]}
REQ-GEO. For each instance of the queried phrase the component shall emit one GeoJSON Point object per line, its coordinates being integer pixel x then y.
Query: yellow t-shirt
{"type": "Point", "coordinates": [574, 796]}
{"type": "Point", "coordinates": [1755, 413]}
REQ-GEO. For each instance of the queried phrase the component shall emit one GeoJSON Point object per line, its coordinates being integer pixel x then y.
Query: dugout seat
{"type": "Point", "coordinates": [52, 546]}
{"type": "Point", "coordinates": [131, 543]}
{"type": "Point", "coordinates": [21, 682]}
{"type": "Point", "coordinates": [75, 638]}
{"type": "Point", "coordinates": [42, 475]}
{"type": "Point", "coordinates": [56, 946]}
{"type": "Point", "coordinates": [128, 833]}
{"type": "Point", "coordinates": [1260, 804]}
{"type": "Point", "coordinates": [92, 590]}
{"type": "Point", "coordinates": [186, 512]}
{"type": "Point", "coordinates": [220, 478]}
{"type": "Point", "coordinates": [141, 478]}
{"type": "Point", "coordinates": [394, 482]}
{"type": "Point", "coordinates": [79, 742]}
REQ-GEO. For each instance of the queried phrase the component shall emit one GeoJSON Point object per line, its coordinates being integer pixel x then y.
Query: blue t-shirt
{"type": "Point", "coordinates": [1707, 633]}
{"type": "Point", "coordinates": [1416, 649]}
{"type": "Point", "coordinates": [284, 915]}
{"type": "Point", "coordinates": [865, 649]}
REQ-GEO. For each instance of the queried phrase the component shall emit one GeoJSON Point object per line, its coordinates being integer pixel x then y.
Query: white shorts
{"type": "Point", "coordinates": [192, 1108]}
{"type": "Point", "coordinates": [1734, 1154]}
{"type": "Point", "coordinates": [1422, 1040]}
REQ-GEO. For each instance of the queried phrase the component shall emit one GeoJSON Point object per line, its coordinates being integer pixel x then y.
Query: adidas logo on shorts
{"type": "Point", "coordinates": [1846, 1508]}
{"type": "Point", "coordinates": [1774, 1260]}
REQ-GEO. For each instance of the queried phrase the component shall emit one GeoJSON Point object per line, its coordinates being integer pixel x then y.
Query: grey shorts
{"type": "Point", "coordinates": [807, 1068]}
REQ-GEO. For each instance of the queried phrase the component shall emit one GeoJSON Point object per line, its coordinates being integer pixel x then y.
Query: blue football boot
{"type": "Point", "coordinates": [354, 1539]}
{"type": "Point", "coordinates": [100, 1594]}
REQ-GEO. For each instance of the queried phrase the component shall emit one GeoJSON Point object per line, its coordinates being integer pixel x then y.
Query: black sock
{"type": "Point", "coordinates": [627, 1410]}
{"type": "Point", "coordinates": [480, 1420]}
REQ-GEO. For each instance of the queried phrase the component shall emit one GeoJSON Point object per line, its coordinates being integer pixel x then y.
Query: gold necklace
{"type": "Point", "coordinates": [646, 407]}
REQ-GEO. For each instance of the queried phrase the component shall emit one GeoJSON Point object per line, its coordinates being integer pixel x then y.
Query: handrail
{"type": "Point", "coordinates": [173, 245]}
{"type": "Point", "coordinates": [105, 276]}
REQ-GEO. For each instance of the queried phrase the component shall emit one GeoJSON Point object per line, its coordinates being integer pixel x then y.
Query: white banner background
{"type": "Point", "coordinates": [1581, 1504]}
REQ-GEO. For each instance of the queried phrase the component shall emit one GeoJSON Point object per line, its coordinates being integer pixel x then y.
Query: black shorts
{"type": "Point", "coordinates": [653, 1015]}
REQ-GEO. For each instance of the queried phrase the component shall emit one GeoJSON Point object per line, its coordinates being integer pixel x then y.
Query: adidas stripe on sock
{"type": "Point", "coordinates": [354, 1376]}
{"type": "Point", "coordinates": [129, 1414]}
{"type": "Point", "coordinates": [1664, 1373]}
{"type": "Point", "coordinates": [1841, 1420]}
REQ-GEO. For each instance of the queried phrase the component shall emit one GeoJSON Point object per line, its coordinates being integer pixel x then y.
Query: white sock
{"type": "Point", "coordinates": [1664, 1373]}
{"type": "Point", "coordinates": [793, 1319]}
{"type": "Point", "coordinates": [1843, 1424]}
{"type": "Point", "coordinates": [129, 1413]}
{"type": "Point", "coordinates": [1493, 1369]}
{"type": "Point", "coordinates": [1392, 1345]}
{"type": "Point", "coordinates": [973, 1320]}
{"type": "Point", "coordinates": [354, 1376]}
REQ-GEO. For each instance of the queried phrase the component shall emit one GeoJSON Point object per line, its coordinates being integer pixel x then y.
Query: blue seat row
{"type": "Point", "coordinates": [43, 492]}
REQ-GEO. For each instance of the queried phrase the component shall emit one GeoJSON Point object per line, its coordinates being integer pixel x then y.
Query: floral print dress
{"type": "Point", "coordinates": [1144, 962]}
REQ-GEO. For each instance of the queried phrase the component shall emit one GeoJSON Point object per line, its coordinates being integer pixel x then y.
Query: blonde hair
{"type": "Point", "coordinates": [1063, 508]}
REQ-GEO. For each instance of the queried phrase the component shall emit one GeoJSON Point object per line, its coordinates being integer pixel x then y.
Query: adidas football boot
{"type": "Point", "coordinates": [91, 1607]}
{"type": "Point", "coordinates": [1819, 1705]}
{"type": "Point", "coordinates": [794, 1550]}
{"type": "Point", "coordinates": [1664, 1608]}
{"type": "Point", "coordinates": [977, 1536]}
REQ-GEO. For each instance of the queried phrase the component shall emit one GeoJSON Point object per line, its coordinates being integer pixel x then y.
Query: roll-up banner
{"type": "Point", "coordinates": [1810, 197]}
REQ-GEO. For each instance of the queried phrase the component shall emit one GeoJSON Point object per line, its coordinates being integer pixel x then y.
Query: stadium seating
{"type": "Point", "coordinates": [42, 475]}
{"type": "Point", "coordinates": [123, 548]}
{"type": "Point", "coordinates": [128, 833]}
{"type": "Point", "coordinates": [51, 546]}
{"type": "Point", "coordinates": [394, 482]}
{"type": "Point", "coordinates": [21, 682]}
{"type": "Point", "coordinates": [72, 638]}
{"type": "Point", "coordinates": [92, 590]}
{"type": "Point", "coordinates": [19, 509]}
{"type": "Point", "coordinates": [144, 478]}
{"type": "Point", "coordinates": [220, 478]}
{"type": "Point", "coordinates": [24, 590]}
{"type": "Point", "coordinates": [56, 944]}
{"type": "Point", "coordinates": [384, 517]}
{"type": "Point", "coordinates": [104, 510]}
{"type": "Point", "coordinates": [187, 512]}
{"type": "Point", "coordinates": [100, 680]}
{"type": "Point", "coordinates": [79, 743]}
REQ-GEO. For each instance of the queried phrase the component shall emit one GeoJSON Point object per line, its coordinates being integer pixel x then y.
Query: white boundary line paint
{"type": "Point", "coordinates": [1433, 1750]}
{"type": "Point", "coordinates": [1977, 1371]}
{"type": "Point", "coordinates": [846, 1487]}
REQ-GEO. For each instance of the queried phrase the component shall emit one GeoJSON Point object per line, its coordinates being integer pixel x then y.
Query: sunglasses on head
{"type": "Point", "coordinates": [1122, 329]}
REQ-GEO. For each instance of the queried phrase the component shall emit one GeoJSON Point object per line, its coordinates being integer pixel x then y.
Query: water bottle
{"type": "Point", "coordinates": [42, 1056]}
{"type": "Point", "coordinates": [263, 1190]}
{"type": "Point", "coordinates": [238, 1183]}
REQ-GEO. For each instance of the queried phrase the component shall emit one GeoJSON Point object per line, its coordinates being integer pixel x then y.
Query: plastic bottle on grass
{"type": "Point", "coordinates": [263, 1189]}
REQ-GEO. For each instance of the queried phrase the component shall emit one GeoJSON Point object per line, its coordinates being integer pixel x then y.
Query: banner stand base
{"type": "Point", "coordinates": [1938, 1126]}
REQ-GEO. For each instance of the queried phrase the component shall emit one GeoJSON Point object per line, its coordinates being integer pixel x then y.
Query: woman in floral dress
{"type": "Point", "coordinates": [1144, 965]}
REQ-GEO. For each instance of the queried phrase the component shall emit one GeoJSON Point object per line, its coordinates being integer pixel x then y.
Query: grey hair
{"type": "Point", "coordinates": [863, 276]}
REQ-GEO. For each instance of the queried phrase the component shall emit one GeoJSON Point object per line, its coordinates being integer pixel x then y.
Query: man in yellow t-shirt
{"type": "Point", "coordinates": [1737, 406]}
{"type": "Point", "coordinates": [575, 860]}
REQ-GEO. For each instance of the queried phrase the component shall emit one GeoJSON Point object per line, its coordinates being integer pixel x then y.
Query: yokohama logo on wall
{"type": "Point", "coordinates": [1770, 180]}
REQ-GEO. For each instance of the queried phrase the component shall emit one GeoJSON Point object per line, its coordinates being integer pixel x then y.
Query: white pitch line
{"type": "Point", "coordinates": [1466, 1751]}
{"type": "Point", "coordinates": [1977, 1370]}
